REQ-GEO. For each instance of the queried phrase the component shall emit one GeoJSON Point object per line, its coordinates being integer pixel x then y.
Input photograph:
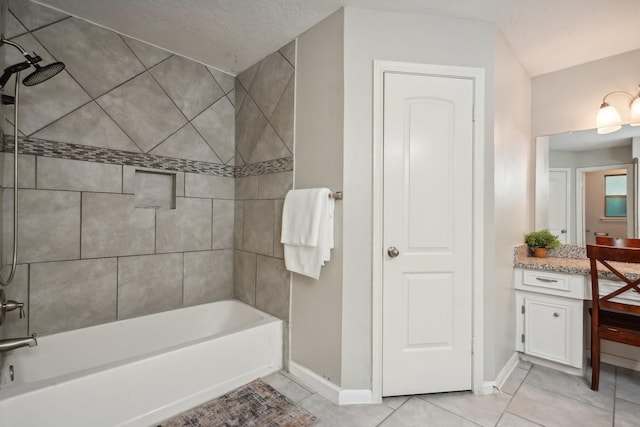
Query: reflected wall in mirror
{"type": "Point", "coordinates": [587, 184]}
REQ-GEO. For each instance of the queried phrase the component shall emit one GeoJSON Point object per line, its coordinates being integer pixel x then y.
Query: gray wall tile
{"type": "Point", "coordinates": [270, 82]}
{"type": "Point", "coordinates": [223, 218]}
{"type": "Point", "coordinates": [240, 95]}
{"type": "Point", "coordinates": [155, 190]}
{"type": "Point", "coordinates": [250, 123]}
{"type": "Point", "coordinates": [26, 170]}
{"type": "Point", "coordinates": [62, 174]}
{"type": "Point", "coordinates": [48, 225]}
{"type": "Point", "coordinates": [186, 144]}
{"type": "Point", "coordinates": [147, 54]}
{"type": "Point", "coordinates": [208, 276]}
{"type": "Point", "coordinates": [33, 15]}
{"type": "Point", "coordinates": [289, 52]}
{"type": "Point", "coordinates": [98, 57]}
{"type": "Point", "coordinates": [238, 224]}
{"type": "Point", "coordinates": [269, 147]}
{"type": "Point", "coordinates": [275, 185]}
{"type": "Point", "coordinates": [188, 83]}
{"type": "Point", "coordinates": [143, 110]}
{"type": "Point", "coordinates": [258, 226]}
{"type": "Point", "coordinates": [272, 287]}
{"type": "Point", "coordinates": [18, 291]}
{"type": "Point", "coordinates": [209, 186]}
{"type": "Point", "coordinates": [278, 248]}
{"type": "Point", "coordinates": [149, 284]}
{"type": "Point", "coordinates": [112, 226]}
{"type": "Point", "coordinates": [88, 125]}
{"type": "Point", "coordinates": [217, 127]}
{"type": "Point", "coordinates": [185, 228]}
{"type": "Point", "coordinates": [225, 81]}
{"type": "Point", "coordinates": [72, 294]}
{"type": "Point", "coordinates": [13, 27]}
{"type": "Point", "coordinates": [247, 187]}
{"type": "Point", "coordinates": [245, 277]}
{"type": "Point", "coordinates": [246, 77]}
{"type": "Point", "coordinates": [282, 117]}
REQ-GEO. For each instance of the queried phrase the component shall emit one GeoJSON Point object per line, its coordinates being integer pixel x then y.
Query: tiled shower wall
{"type": "Point", "coordinates": [264, 138]}
{"type": "Point", "coordinates": [89, 253]}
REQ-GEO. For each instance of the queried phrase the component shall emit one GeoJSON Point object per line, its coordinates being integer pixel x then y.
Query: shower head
{"type": "Point", "coordinates": [42, 74]}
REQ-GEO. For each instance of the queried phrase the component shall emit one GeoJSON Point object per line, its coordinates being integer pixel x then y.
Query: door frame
{"type": "Point", "coordinates": [477, 75]}
{"type": "Point", "coordinates": [568, 221]}
{"type": "Point", "coordinates": [580, 198]}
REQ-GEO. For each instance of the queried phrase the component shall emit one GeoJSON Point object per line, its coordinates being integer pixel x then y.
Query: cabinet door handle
{"type": "Point", "coordinates": [542, 279]}
{"type": "Point", "coordinates": [556, 315]}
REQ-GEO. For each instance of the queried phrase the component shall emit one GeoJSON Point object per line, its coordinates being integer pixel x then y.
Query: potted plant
{"type": "Point", "coordinates": [540, 241]}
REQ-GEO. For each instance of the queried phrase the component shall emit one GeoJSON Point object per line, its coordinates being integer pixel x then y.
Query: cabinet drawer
{"type": "Point", "coordinates": [565, 285]}
{"type": "Point", "coordinates": [608, 286]}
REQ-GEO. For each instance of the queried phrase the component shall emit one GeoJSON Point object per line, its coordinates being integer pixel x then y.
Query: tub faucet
{"type": "Point", "coordinates": [13, 343]}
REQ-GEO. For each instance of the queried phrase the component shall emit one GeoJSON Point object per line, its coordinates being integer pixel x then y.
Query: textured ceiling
{"type": "Point", "coordinates": [547, 35]}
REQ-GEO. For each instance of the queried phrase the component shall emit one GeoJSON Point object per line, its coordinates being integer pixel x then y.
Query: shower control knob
{"type": "Point", "coordinates": [393, 252]}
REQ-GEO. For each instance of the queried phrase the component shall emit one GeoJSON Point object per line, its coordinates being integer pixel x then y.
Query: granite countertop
{"type": "Point", "coordinates": [571, 259]}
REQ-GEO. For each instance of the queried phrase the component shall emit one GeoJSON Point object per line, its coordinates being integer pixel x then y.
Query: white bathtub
{"type": "Point", "coordinates": [139, 371]}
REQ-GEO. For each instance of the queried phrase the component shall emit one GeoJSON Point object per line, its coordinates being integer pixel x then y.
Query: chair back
{"type": "Point", "coordinates": [605, 255]}
{"type": "Point", "coordinates": [619, 242]}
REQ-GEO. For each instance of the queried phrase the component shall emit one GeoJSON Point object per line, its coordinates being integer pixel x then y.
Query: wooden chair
{"type": "Point", "coordinates": [611, 318]}
{"type": "Point", "coordinates": [618, 242]}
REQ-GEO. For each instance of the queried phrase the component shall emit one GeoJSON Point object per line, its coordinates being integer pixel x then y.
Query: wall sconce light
{"type": "Point", "coordinates": [608, 119]}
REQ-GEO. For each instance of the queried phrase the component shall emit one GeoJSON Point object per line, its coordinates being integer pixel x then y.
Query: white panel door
{"type": "Point", "coordinates": [427, 286]}
{"type": "Point", "coordinates": [559, 203]}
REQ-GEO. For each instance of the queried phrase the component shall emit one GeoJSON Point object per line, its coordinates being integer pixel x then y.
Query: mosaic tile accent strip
{"type": "Point", "coordinates": [87, 153]}
{"type": "Point", "coordinates": [284, 164]}
{"type": "Point", "coordinates": [255, 404]}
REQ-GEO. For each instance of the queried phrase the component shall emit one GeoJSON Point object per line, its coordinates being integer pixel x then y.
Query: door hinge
{"type": "Point", "coordinates": [522, 309]}
{"type": "Point", "coordinates": [522, 337]}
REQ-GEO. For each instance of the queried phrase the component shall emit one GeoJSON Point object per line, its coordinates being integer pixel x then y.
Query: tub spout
{"type": "Point", "coordinates": [13, 343]}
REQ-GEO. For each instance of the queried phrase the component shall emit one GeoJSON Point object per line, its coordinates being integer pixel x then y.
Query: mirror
{"type": "Point", "coordinates": [587, 184]}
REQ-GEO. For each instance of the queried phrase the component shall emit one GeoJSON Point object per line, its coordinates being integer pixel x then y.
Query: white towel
{"type": "Point", "coordinates": [307, 230]}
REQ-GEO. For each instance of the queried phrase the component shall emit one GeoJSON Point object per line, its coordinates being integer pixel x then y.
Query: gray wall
{"type": "Point", "coordinates": [264, 147]}
{"type": "Point", "coordinates": [316, 312]}
{"type": "Point", "coordinates": [92, 250]}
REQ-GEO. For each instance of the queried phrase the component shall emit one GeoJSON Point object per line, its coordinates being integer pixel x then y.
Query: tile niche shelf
{"type": "Point", "coordinates": [155, 190]}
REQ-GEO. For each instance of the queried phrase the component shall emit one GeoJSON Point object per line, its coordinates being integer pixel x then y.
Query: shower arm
{"type": "Point", "coordinates": [31, 59]}
{"type": "Point", "coordinates": [14, 259]}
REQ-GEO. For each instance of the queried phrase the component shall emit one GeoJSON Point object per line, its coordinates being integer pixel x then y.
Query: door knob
{"type": "Point", "coordinates": [393, 252]}
{"type": "Point", "coordinates": [563, 231]}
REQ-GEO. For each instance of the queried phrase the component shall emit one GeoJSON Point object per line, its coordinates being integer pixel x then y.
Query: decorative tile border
{"type": "Point", "coordinates": [284, 164]}
{"type": "Point", "coordinates": [87, 153]}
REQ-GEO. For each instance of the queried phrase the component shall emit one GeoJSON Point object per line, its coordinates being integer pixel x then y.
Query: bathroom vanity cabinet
{"type": "Point", "coordinates": [552, 323]}
{"type": "Point", "coordinates": [549, 316]}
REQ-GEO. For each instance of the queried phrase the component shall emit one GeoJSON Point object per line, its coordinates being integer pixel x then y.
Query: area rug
{"type": "Point", "coordinates": [254, 405]}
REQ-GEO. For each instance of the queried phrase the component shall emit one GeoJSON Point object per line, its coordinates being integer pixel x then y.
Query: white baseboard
{"type": "Point", "coordinates": [315, 382]}
{"type": "Point", "coordinates": [327, 389]}
{"type": "Point", "coordinates": [507, 370]}
{"type": "Point", "coordinates": [355, 397]}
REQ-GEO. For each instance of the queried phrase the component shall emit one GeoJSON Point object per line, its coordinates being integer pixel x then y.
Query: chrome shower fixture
{"type": "Point", "coordinates": [41, 74]}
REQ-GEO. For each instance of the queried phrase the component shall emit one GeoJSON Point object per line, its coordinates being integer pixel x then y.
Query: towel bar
{"type": "Point", "coordinates": [336, 195]}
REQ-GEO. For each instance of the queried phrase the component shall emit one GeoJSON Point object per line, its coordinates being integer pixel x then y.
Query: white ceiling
{"type": "Point", "coordinates": [547, 35]}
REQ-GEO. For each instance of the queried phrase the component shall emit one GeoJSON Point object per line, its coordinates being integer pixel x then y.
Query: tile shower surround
{"type": "Point", "coordinates": [80, 238]}
{"type": "Point", "coordinates": [78, 160]}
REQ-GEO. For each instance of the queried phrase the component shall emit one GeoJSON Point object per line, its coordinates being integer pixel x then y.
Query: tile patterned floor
{"type": "Point", "coordinates": [532, 396]}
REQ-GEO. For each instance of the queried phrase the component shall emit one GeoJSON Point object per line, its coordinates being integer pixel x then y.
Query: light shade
{"type": "Point", "coordinates": [608, 119]}
{"type": "Point", "coordinates": [635, 111]}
